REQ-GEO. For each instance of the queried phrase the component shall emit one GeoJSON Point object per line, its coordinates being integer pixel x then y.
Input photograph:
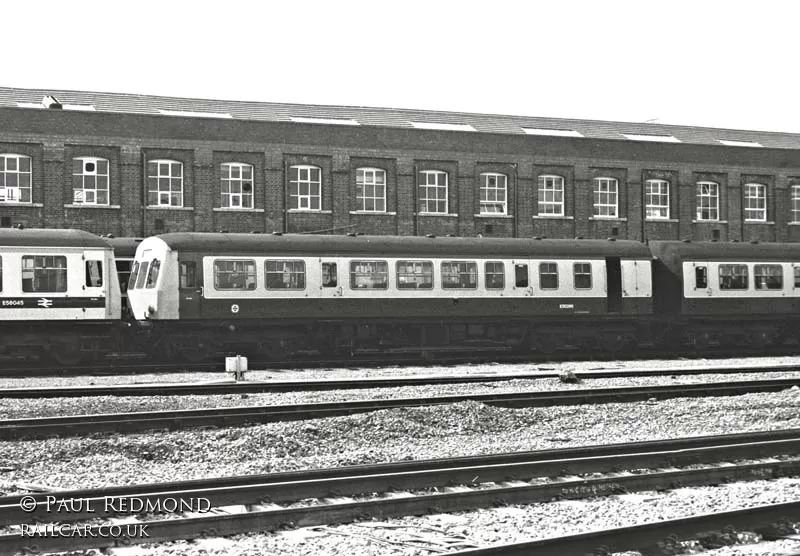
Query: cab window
{"type": "Point", "coordinates": [142, 276]}
{"type": "Point", "coordinates": [152, 276]}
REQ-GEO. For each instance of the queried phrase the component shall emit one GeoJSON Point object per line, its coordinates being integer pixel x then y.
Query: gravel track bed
{"type": "Point", "coordinates": [372, 372]}
{"type": "Point", "coordinates": [14, 408]}
{"type": "Point", "coordinates": [434, 534]}
{"type": "Point", "coordinates": [389, 435]}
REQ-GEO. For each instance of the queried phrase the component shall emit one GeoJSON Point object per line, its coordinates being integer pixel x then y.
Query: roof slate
{"type": "Point", "coordinates": [393, 117]}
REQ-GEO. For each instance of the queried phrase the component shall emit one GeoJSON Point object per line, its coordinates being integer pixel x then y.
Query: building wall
{"type": "Point", "coordinates": [52, 139]}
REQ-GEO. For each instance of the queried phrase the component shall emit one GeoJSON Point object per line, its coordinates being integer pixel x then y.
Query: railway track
{"type": "Point", "coordinates": [236, 416]}
{"type": "Point", "coordinates": [406, 488]}
{"type": "Point", "coordinates": [231, 387]}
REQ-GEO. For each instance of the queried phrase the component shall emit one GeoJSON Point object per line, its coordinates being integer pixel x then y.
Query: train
{"type": "Point", "coordinates": [72, 296]}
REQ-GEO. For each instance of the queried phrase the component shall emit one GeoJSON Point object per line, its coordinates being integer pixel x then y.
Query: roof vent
{"type": "Point", "coordinates": [687, 240]}
{"type": "Point", "coordinates": [578, 237]}
{"type": "Point", "coordinates": [450, 235]}
{"type": "Point", "coordinates": [754, 241]}
{"type": "Point", "coordinates": [223, 231]}
{"type": "Point", "coordinates": [51, 103]}
{"type": "Point", "coordinates": [351, 234]}
{"type": "Point", "coordinates": [277, 233]}
{"type": "Point", "coordinates": [431, 236]}
{"type": "Point", "coordinates": [254, 232]}
{"type": "Point", "coordinates": [537, 237]}
{"type": "Point", "coordinates": [110, 236]}
{"type": "Point", "coordinates": [20, 226]}
{"type": "Point", "coordinates": [735, 240]}
{"type": "Point", "coordinates": [612, 239]}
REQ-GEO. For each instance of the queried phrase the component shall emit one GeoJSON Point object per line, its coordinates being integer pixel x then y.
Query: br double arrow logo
{"type": "Point", "coordinates": [46, 303]}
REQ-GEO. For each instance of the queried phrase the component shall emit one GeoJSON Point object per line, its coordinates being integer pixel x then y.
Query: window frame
{"type": "Point", "coordinates": [312, 185]}
{"type": "Point", "coordinates": [495, 190]}
{"type": "Point", "coordinates": [663, 194]}
{"type": "Point", "coordinates": [765, 280]}
{"type": "Point", "coordinates": [362, 184]}
{"type": "Point", "coordinates": [760, 199]}
{"type": "Point", "coordinates": [583, 273]}
{"type": "Point", "coordinates": [246, 272]}
{"type": "Point", "coordinates": [551, 185]}
{"type": "Point", "coordinates": [228, 181]}
{"type": "Point", "coordinates": [542, 273]}
{"type": "Point", "coordinates": [154, 182]}
{"type": "Point", "coordinates": [795, 207]}
{"type": "Point", "coordinates": [470, 270]}
{"type": "Point", "coordinates": [97, 175]}
{"type": "Point", "coordinates": [60, 273]}
{"type": "Point", "coordinates": [490, 283]}
{"type": "Point", "coordinates": [733, 275]}
{"type": "Point", "coordinates": [424, 199]}
{"type": "Point", "coordinates": [5, 173]}
{"type": "Point", "coordinates": [703, 201]}
{"type": "Point", "coordinates": [379, 267]}
{"type": "Point", "coordinates": [598, 193]}
{"type": "Point", "coordinates": [296, 273]}
{"type": "Point", "coordinates": [426, 270]}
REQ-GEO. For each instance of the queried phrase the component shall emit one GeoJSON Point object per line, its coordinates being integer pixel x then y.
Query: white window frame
{"type": "Point", "coordinates": [796, 203]}
{"type": "Point", "coordinates": [708, 200]}
{"type": "Point", "coordinates": [233, 178]}
{"type": "Point", "coordinates": [606, 197]}
{"type": "Point", "coordinates": [83, 195]}
{"type": "Point", "coordinates": [371, 189]}
{"type": "Point", "coordinates": [11, 194]}
{"type": "Point", "coordinates": [433, 191]}
{"type": "Point", "coordinates": [494, 193]}
{"type": "Point", "coordinates": [305, 187]}
{"type": "Point", "coordinates": [162, 172]}
{"type": "Point", "coordinates": [755, 202]}
{"type": "Point", "coordinates": [657, 200]}
{"type": "Point", "coordinates": [550, 188]}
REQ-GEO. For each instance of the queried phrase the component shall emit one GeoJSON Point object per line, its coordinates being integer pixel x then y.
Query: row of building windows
{"type": "Point", "coordinates": [240, 275]}
{"type": "Point", "coordinates": [165, 183]}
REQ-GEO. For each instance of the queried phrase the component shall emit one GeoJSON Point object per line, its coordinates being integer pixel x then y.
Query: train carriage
{"type": "Point", "coordinates": [274, 294]}
{"type": "Point", "coordinates": [58, 294]}
{"type": "Point", "coordinates": [728, 293]}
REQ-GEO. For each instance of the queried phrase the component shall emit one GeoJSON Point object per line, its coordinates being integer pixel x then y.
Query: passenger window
{"type": "Point", "coordinates": [700, 277]}
{"type": "Point", "coordinates": [152, 276]}
{"type": "Point", "coordinates": [188, 277]}
{"type": "Point", "coordinates": [494, 275]}
{"type": "Point", "coordinates": [797, 277]}
{"type": "Point", "coordinates": [768, 276]}
{"type": "Point", "coordinates": [94, 274]}
{"type": "Point", "coordinates": [134, 272]}
{"type": "Point", "coordinates": [548, 276]}
{"type": "Point", "coordinates": [286, 275]}
{"type": "Point", "coordinates": [521, 275]}
{"type": "Point", "coordinates": [459, 275]}
{"type": "Point", "coordinates": [733, 277]}
{"type": "Point", "coordinates": [330, 277]}
{"type": "Point", "coordinates": [234, 275]}
{"type": "Point", "coordinates": [583, 275]}
{"type": "Point", "coordinates": [142, 276]}
{"type": "Point", "coordinates": [413, 275]}
{"type": "Point", "coordinates": [369, 275]}
{"type": "Point", "coordinates": [44, 274]}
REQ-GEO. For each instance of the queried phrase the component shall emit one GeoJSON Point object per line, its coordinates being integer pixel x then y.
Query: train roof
{"type": "Point", "coordinates": [331, 245]}
{"type": "Point", "coordinates": [124, 247]}
{"type": "Point", "coordinates": [717, 251]}
{"type": "Point", "coordinates": [36, 237]}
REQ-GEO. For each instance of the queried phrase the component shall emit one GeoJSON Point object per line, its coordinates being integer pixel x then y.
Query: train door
{"type": "Point", "coordinates": [332, 275]}
{"type": "Point", "coordinates": [190, 288]}
{"type": "Point", "coordinates": [614, 284]}
{"type": "Point", "coordinates": [94, 285]}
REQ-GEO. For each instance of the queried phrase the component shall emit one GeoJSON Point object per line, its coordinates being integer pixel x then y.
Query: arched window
{"type": "Point", "coordinates": [755, 202]}
{"type": "Point", "coordinates": [707, 200]}
{"type": "Point", "coordinates": [164, 183]}
{"type": "Point", "coordinates": [371, 189]}
{"type": "Point", "coordinates": [90, 181]}
{"type": "Point", "coordinates": [305, 187]}
{"type": "Point", "coordinates": [551, 195]}
{"type": "Point", "coordinates": [494, 193]}
{"type": "Point", "coordinates": [656, 199]}
{"type": "Point", "coordinates": [15, 178]}
{"type": "Point", "coordinates": [236, 185]}
{"type": "Point", "coordinates": [606, 198]}
{"type": "Point", "coordinates": [432, 192]}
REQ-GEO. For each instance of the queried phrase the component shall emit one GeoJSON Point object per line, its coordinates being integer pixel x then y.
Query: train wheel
{"type": "Point", "coordinates": [275, 350]}
{"type": "Point", "coordinates": [615, 342]}
{"type": "Point", "coordinates": [67, 353]}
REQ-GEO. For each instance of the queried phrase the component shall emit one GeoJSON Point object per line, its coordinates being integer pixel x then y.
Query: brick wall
{"type": "Point", "coordinates": [52, 140]}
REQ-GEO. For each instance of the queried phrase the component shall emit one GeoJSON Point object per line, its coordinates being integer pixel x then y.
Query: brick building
{"type": "Point", "coordinates": [134, 165]}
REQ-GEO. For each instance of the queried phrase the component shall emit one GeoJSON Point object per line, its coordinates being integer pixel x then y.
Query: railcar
{"type": "Point", "coordinates": [201, 294]}
{"type": "Point", "coordinates": [717, 294]}
{"type": "Point", "coordinates": [59, 296]}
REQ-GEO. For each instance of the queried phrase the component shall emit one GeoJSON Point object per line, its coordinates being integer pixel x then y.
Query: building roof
{"type": "Point", "coordinates": [36, 237]}
{"type": "Point", "coordinates": [36, 99]}
{"type": "Point", "coordinates": [389, 246]}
